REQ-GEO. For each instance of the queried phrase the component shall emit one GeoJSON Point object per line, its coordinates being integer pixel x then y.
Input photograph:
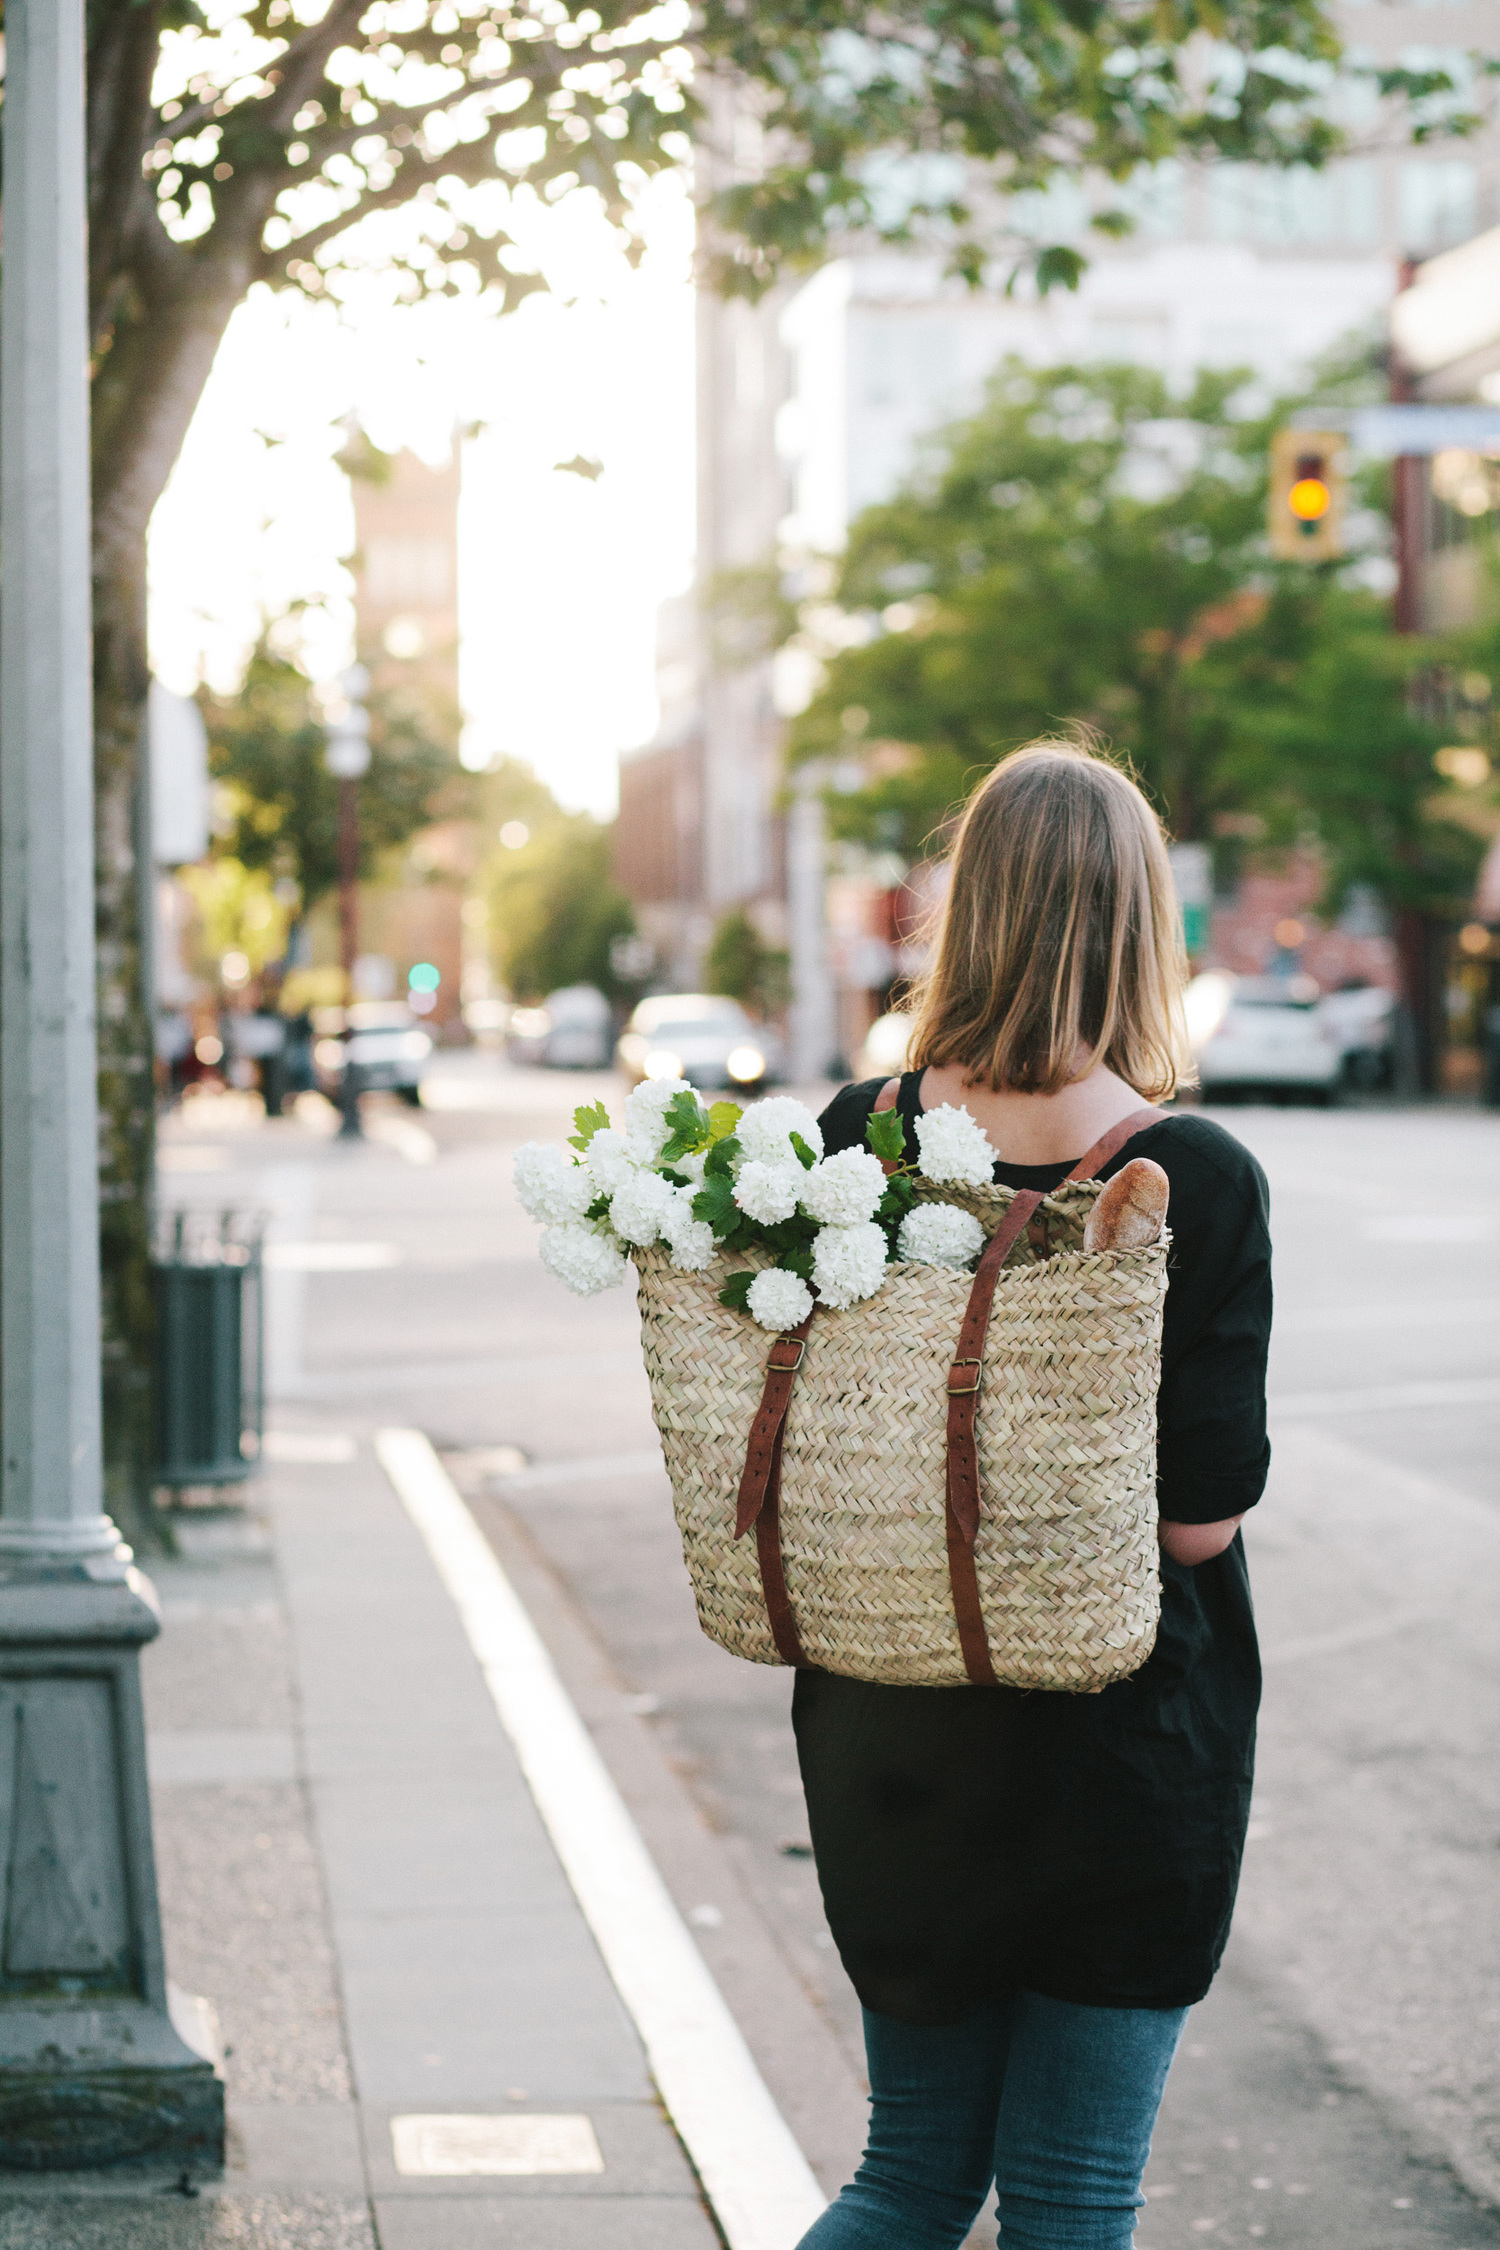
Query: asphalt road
{"type": "Point", "coordinates": [1339, 2088]}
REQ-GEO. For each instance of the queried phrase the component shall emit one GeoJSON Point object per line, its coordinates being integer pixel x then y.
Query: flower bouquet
{"type": "Point", "coordinates": [702, 1180]}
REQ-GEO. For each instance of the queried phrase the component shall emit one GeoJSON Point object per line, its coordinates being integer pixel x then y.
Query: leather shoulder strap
{"type": "Point", "coordinates": [1109, 1144]}
{"type": "Point", "coordinates": [962, 1472]}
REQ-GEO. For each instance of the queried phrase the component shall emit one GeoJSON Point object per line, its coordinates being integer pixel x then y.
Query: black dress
{"type": "Point", "coordinates": [971, 1840]}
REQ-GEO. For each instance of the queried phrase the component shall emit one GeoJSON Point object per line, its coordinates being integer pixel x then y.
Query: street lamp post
{"type": "Point", "coordinates": [97, 2065]}
{"type": "Point", "coordinates": [347, 757]}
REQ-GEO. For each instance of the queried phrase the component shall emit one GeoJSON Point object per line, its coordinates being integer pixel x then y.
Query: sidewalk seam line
{"type": "Point", "coordinates": [756, 2178]}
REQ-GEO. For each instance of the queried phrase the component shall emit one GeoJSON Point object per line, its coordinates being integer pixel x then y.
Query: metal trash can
{"type": "Point", "coordinates": [210, 1350]}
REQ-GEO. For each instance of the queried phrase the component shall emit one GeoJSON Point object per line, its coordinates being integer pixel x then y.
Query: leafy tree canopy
{"type": "Point", "coordinates": [555, 909]}
{"type": "Point", "coordinates": [1090, 548]}
{"type": "Point", "coordinates": [741, 965]}
{"type": "Point", "coordinates": [256, 140]}
{"type": "Point", "coordinates": [280, 803]}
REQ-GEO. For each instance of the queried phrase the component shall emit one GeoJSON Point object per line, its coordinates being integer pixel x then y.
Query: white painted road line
{"type": "Point", "coordinates": [362, 1379]}
{"type": "Point", "coordinates": [331, 1257]}
{"type": "Point", "coordinates": [756, 2178]}
{"type": "Point", "coordinates": [591, 1468]}
{"type": "Point", "coordinates": [1413, 1313]}
{"type": "Point", "coordinates": [1293, 1406]}
{"type": "Point", "coordinates": [409, 1140]}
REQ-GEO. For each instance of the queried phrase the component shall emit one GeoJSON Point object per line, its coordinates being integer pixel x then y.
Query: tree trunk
{"type": "Point", "coordinates": [123, 875]}
{"type": "Point", "coordinates": [145, 392]}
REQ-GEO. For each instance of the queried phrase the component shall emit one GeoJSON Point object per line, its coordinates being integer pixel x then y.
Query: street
{"type": "Point", "coordinates": [1339, 2087]}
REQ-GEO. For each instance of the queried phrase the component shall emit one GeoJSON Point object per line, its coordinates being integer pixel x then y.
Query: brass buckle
{"type": "Point", "coordinates": [962, 1390]}
{"type": "Point", "coordinates": [787, 1366]}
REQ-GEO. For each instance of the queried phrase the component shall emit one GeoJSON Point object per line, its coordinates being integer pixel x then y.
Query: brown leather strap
{"type": "Point", "coordinates": [772, 1571]}
{"type": "Point", "coordinates": [962, 1478]}
{"type": "Point", "coordinates": [763, 1454]}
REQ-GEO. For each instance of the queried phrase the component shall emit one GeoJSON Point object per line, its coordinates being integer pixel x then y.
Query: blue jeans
{"type": "Point", "coordinates": [1052, 2101]}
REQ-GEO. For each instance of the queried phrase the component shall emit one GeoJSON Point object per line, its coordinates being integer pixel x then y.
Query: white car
{"type": "Point", "coordinates": [1262, 1035]}
{"type": "Point", "coordinates": [1362, 1018]}
{"type": "Point", "coordinates": [709, 1041]}
{"type": "Point", "coordinates": [384, 1044]}
{"type": "Point", "coordinates": [578, 1033]}
{"type": "Point", "coordinates": [570, 1031]}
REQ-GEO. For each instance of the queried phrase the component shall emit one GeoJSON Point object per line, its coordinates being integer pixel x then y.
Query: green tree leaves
{"type": "Point", "coordinates": [266, 750]}
{"type": "Point", "coordinates": [1090, 548]}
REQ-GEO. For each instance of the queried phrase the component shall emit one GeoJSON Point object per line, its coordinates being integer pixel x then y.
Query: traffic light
{"type": "Point", "coordinates": [1306, 508]}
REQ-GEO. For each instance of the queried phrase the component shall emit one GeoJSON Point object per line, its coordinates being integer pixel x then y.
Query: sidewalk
{"type": "Point", "coordinates": [353, 1868]}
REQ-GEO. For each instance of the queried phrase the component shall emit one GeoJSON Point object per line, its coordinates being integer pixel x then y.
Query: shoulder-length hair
{"type": "Point", "coordinates": [1059, 944]}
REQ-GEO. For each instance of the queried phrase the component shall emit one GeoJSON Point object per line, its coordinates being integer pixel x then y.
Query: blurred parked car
{"type": "Point", "coordinates": [526, 1035]}
{"type": "Point", "coordinates": [883, 1054]}
{"type": "Point", "coordinates": [570, 1031]}
{"type": "Point", "coordinates": [1262, 1035]}
{"type": "Point", "coordinates": [579, 1029]}
{"type": "Point", "coordinates": [1362, 1019]}
{"type": "Point", "coordinates": [695, 1035]}
{"type": "Point", "coordinates": [382, 1041]}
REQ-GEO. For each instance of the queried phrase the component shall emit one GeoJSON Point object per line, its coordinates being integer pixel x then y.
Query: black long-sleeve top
{"type": "Point", "coordinates": [971, 1840]}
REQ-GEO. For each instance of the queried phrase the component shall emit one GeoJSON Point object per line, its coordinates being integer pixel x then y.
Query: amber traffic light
{"type": "Point", "coordinates": [1306, 510]}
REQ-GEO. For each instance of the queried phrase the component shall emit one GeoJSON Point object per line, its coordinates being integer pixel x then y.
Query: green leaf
{"type": "Point", "coordinates": [590, 1118]}
{"type": "Point", "coordinates": [886, 1135]}
{"type": "Point", "coordinates": [736, 1289]}
{"type": "Point", "coordinates": [599, 1208]}
{"type": "Point", "coordinates": [720, 1163]}
{"type": "Point", "coordinates": [689, 1126]}
{"type": "Point", "coordinates": [715, 1202]}
{"type": "Point", "coordinates": [897, 1200]}
{"type": "Point", "coordinates": [1057, 267]}
{"type": "Point", "coordinates": [806, 1157]}
{"type": "Point", "coordinates": [722, 1120]}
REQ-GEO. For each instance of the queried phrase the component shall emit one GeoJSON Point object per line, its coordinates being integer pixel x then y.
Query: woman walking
{"type": "Point", "coordinates": [1030, 1890]}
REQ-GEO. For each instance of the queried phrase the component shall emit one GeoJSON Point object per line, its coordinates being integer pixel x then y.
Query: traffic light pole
{"type": "Point", "coordinates": [347, 757]}
{"type": "Point", "coordinates": [97, 2065]}
{"type": "Point", "coordinates": [1418, 1066]}
{"type": "Point", "coordinates": [352, 1128]}
{"type": "Point", "coordinates": [1408, 495]}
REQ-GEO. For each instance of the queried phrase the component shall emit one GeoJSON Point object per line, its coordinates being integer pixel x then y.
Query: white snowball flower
{"type": "Point", "coordinates": [553, 1189]}
{"type": "Point", "coordinates": [583, 1259]}
{"type": "Point", "coordinates": [638, 1208]}
{"type": "Point", "coordinates": [646, 1129]}
{"type": "Point", "coordinates": [779, 1300]}
{"type": "Point", "coordinates": [768, 1192]}
{"type": "Point", "coordinates": [939, 1234]}
{"type": "Point", "coordinates": [689, 1240]}
{"type": "Point", "coordinates": [764, 1132]}
{"type": "Point", "coordinates": [609, 1161]}
{"type": "Point", "coordinates": [954, 1148]}
{"type": "Point", "coordinates": [848, 1263]}
{"type": "Point", "coordinates": [692, 1167]}
{"type": "Point", "coordinates": [843, 1190]}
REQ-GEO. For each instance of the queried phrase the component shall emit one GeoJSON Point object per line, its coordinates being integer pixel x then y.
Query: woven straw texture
{"type": "Point", "coordinates": [1066, 1555]}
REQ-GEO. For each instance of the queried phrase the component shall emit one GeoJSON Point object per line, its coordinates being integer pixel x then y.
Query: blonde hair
{"type": "Point", "coordinates": [1060, 935]}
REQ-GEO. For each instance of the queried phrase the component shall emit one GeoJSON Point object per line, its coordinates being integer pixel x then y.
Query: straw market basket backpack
{"type": "Point", "coordinates": [953, 1481]}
